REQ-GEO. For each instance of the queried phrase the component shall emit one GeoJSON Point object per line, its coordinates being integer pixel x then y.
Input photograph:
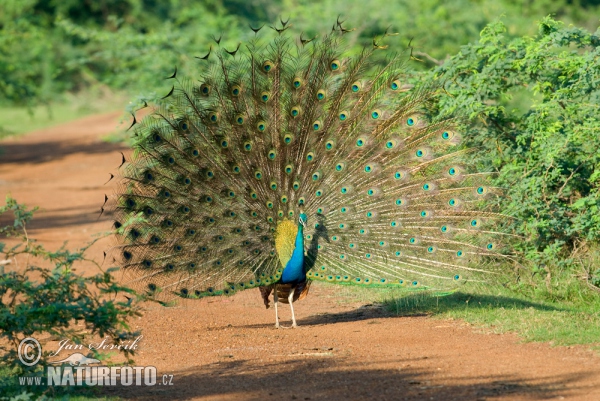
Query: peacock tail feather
{"type": "Point", "coordinates": [223, 168]}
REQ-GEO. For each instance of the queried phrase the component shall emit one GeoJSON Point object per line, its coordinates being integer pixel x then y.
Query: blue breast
{"type": "Point", "coordinates": [293, 272]}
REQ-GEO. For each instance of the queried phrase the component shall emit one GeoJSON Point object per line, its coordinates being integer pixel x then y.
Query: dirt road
{"type": "Point", "coordinates": [228, 349]}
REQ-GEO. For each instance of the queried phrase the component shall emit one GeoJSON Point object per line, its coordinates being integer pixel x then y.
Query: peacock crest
{"type": "Point", "coordinates": [287, 153]}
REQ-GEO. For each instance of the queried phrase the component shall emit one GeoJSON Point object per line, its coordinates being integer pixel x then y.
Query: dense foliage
{"type": "Point", "coordinates": [50, 47]}
{"type": "Point", "coordinates": [534, 107]}
{"type": "Point", "coordinates": [39, 302]}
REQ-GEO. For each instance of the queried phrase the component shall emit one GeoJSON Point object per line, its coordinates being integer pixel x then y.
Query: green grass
{"type": "Point", "coordinates": [543, 317]}
{"type": "Point", "coordinates": [21, 120]}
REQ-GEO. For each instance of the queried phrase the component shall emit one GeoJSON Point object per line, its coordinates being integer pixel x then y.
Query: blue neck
{"type": "Point", "coordinates": [293, 272]}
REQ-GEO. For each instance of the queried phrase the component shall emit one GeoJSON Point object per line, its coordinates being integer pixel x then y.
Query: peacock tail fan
{"type": "Point", "coordinates": [223, 168]}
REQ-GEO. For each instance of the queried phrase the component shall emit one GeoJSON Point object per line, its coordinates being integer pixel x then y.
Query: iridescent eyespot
{"type": "Point", "coordinates": [319, 192]}
{"type": "Point", "coordinates": [340, 166]}
{"type": "Point", "coordinates": [360, 142]}
{"type": "Point", "coordinates": [248, 146]}
{"type": "Point", "coordinates": [295, 111]}
{"type": "Point", "coordinates": [272, 154]}
{"type": "Point", "coordinates": [236, 90]}
{"type": "Point", "coordinates": [265, 96]}
{"type": "Point", "coordinates": [205, 89]}
{"type": "Point", "coordinates": [356, 86]}
{"type": "Point", "coordinates": [310, 156]}
{"type": "Point", "coordinates": [183, 125]}
{"type": "Point", "coordinates": [375, 114]}
{"type": "Point", "coordinates": [297, 83]}
{"type": "Point", "coordinates": [267, 66]}
{"type": "Point", "coordinates": [288, 169]}
{"type": "Point", "coordinates": [288, 138]}
{"type": "Point", "coordinates": [261, 126]}
{"type": "Point", "coordinates": [395, 85]}
{"type": "Point", "coordinates": [296, 185]}
{"type": "Point", "coordinates": [329, 144]}
{"type": "Point", "coordinates": [239, 119]}
{"type": "Point", "coordinates": [258, 175]}
{"type": "Point", "coordinates": [447, 135]}
{"type": "Point", "coordinates": [317, 125]}
{"type": "Point", "coordinates": [410, 121]}
{"type": "Point", "coordinates": [343, 115]}
{"type": "Point", "coordinates": [334, 65]}
{"type": "Point", "coordinates": [213, 117]}
{"type": "Point", "coordinates": [481, 190]}
{"type": "Point", "coordinates": [321, 95]}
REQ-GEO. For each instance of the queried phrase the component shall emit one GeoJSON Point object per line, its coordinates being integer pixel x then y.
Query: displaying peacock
{"type": "Point", "coordinates": [286, 161]}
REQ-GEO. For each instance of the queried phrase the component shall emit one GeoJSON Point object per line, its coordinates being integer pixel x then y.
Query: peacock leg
{"type": "Point", "coordinates": [276, 301]}
{"type": "Point", "coordinates": [291, 301]}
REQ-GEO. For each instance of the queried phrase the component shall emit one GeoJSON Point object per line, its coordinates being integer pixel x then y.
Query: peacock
{"type": "Point", "coordinates": [287, 160]}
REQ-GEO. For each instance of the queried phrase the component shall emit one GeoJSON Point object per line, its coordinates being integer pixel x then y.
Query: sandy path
{"type": "Point", "coordinates": [227, 349]}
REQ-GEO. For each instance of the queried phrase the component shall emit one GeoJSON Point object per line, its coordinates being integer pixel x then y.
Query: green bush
{"type": "Point", "coordinates": [37, 302]}
{"type": "Point", "coordinates": [532, 105]}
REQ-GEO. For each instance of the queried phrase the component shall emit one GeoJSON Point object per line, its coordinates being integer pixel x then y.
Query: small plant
{"type": "Point", "coordinates": [39, 302]}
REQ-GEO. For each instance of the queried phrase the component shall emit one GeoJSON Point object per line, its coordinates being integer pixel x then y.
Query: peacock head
{"type": "Point", "coordinates": [303, 219]}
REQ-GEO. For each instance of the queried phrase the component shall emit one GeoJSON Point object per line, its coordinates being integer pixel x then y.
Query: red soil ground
{"type": "Point", "coordinates": [228, 349]}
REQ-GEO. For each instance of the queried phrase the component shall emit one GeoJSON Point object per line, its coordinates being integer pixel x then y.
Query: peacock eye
{"type": "Point", "coordinates": [334, 65]}
{"type": "Point", "coordinates": [205, 89]}
{"type": "Point", "coordinates": [261, 126]}
{"type": "Point", "coordinates": [268, 66]}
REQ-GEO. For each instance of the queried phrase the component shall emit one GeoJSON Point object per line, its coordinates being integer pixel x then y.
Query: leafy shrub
{"type": "Point", "coordinates": [532, 103]}
{"type": "Point", "coordinates": [37, 302]}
